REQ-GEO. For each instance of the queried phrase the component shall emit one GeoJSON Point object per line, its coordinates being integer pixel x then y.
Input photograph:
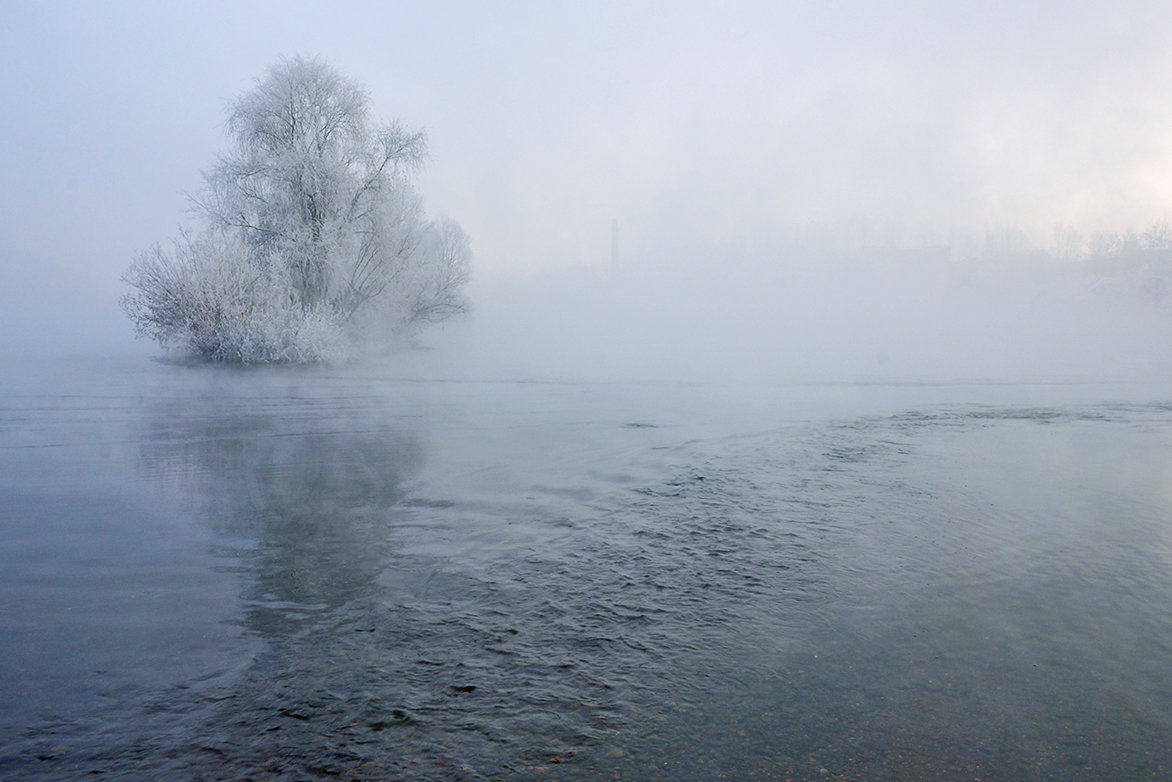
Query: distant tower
{"type": "Point", "coordinates": [614, 244]}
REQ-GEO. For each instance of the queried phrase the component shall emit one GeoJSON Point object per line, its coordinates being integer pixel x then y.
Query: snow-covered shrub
{"type": "Point", "coordinates": [202, 298]}
{"type": "Point", "coordinates": [312, 232]}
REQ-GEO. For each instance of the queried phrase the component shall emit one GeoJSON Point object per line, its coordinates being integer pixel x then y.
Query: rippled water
{"type": "Point", "coordinates": [209, 573]}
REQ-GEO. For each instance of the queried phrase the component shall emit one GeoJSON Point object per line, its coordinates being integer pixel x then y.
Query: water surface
{"type": "Point", "coordinates": [214, 573]}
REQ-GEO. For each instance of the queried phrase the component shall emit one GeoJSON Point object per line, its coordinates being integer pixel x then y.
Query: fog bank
{"type": "Point", "coordinates": [805, 314]}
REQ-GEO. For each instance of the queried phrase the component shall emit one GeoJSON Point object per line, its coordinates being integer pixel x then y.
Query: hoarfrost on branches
{"type": "Point", "coordinates": [312, 235]}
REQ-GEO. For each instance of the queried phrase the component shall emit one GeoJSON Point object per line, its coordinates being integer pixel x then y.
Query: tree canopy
{"type": "Point", "coordinates": [312, 233]}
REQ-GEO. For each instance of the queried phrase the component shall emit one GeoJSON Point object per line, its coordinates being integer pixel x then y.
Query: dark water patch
{"type": "Point", "coordinates": [420, 502]}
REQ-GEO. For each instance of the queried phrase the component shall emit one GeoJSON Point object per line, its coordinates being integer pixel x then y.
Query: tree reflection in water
{"type": "Point", "coordinates": [300, 502]}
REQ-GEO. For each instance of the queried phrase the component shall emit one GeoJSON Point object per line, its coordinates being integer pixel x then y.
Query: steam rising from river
{"type": "Point", "coordinates": [804, 314]}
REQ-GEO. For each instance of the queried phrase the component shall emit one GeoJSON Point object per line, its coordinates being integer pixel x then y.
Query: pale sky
{"type": "Point", "coordinates": [689, 123]}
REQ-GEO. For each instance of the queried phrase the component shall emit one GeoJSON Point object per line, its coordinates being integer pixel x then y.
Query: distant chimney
{"type": "Point", "coordinates": [614, 244]}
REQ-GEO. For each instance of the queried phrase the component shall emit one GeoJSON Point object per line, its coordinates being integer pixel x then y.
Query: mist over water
{"type": "Point", "coordinates": [818, 313]}
{"type": "Point", "coordinates": [814, 510]}
{"type": "Point", "coordinates": [812, 420]}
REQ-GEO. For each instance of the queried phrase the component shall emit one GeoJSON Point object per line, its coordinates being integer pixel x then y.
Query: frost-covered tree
{"type": "Point", "coordinates": [312, 233]}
